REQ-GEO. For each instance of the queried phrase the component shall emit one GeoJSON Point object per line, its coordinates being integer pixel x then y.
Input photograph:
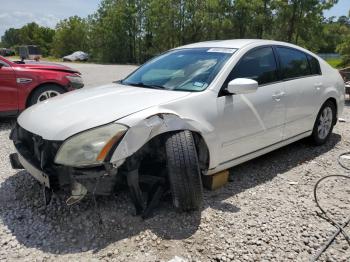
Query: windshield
{"type": "Point", "coordinates": [183, 69]}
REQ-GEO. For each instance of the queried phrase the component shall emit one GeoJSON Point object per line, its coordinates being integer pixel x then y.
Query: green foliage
{"type": "Point", "coordinates": [344, 50]}
{"type": "Point", "coordinates": [132, 31]}
{"type": "Point", "coordinates": [341, 39]}
{"type": "Point", "coordinates": [11, 37]}
{"type": "Point", "coordinates": [333, 34]}
{"type": "Point", "coordinates": [71, 35]}
{"type": "Point", "coordinates": [335, 62]}
{"type": "Point", "coordinates": [113, 31]}
{"type": "Point", "coordinates": [30, 34]}
{"type": "Point", "coordinates": [300, 21]}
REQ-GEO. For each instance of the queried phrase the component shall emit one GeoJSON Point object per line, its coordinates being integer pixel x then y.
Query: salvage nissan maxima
{"type": "Point", "coordinates": [190, 112]}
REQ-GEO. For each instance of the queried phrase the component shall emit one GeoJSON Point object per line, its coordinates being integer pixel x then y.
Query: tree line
{"type": "Point", "coordinates": [132, 31]}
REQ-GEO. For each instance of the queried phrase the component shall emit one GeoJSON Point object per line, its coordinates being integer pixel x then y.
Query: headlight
{"type": "Point", "coordinates": [76, 81]}
{"type": "Point", "coordinates": [90, 147]}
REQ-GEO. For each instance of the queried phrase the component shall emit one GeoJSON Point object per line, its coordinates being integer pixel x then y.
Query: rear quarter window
{"type": "Point", "coordinates": [294, 63]}
{"type": "Point", "coordinates": [314, 65]}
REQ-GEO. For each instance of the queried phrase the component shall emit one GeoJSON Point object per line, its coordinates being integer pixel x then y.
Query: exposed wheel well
{"type": "Point", "coordinates": [156, 146]}
{"type": "Point", "coordinates": [202, 151]}
{"type": "Point", "coordinates": [332, 99]}
{"type": "Point", "coordinates": [43, 84]}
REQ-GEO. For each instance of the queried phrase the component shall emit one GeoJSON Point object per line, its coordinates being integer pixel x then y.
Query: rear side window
{"type": "Point", "coordinates": [294, 63]}
{"type": "Point", "coordinates": [259, 65]}
{"type": "Point", "coordinates": [314, 65]}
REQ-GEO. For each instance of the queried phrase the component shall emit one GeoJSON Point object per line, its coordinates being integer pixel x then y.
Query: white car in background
{"type": "Point", "coordinates": [76, 56]}
{"type": "Point", "coordinates": [194, 110]}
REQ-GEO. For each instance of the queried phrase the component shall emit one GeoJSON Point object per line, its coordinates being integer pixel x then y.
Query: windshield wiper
{"type": "Point", "coordinates": [141, 84]}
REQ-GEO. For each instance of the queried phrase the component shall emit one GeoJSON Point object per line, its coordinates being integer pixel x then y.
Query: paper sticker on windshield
{"type": "Point", "coordinates": [199, 84]}
{"type": "Point", "coordinates": [222, 50]}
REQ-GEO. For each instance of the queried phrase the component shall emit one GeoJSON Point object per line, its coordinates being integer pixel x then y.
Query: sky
{"type": "Point", "coordinates": [16, 13]}
{"type": "Point", "coordinates": [342, 8]}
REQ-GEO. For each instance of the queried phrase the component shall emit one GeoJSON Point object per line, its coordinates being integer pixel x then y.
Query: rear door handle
{"type": "Point", "coordinates": [277, 96]}
{"type": "Point", "coordinates": [318, 86]}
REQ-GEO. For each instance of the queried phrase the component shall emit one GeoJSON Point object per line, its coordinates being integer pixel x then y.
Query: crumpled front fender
{"type": "Point", "coordinates": [139, 134]}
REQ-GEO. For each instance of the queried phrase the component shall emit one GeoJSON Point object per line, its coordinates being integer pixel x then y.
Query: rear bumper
{"type": "Point", "coordinates": [347, 89]}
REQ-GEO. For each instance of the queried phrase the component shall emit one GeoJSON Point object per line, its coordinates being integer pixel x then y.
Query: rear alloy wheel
{"type": "Point", "coordinates": [183, 171]}
{"type": "Point", "coordinates": [324, 123]}
{"type": "Point", "coordinates": [45, 92]}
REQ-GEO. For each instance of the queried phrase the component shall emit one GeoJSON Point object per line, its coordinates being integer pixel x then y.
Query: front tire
{"type": "Point", "coordinates": [324, 123]}
{"type": "Point", "coordinates": [183, 171]}
{"type": "Point", "coordinates": [45, 92]}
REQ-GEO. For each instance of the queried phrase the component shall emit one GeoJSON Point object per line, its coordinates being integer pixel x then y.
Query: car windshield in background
{"type": "Point", "coordinates": [183, 70]}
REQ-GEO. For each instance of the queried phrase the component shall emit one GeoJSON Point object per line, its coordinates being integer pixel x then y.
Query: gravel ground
{"type": "Point", "coordinates": [96, 74]}
{"type": "Point", "coordinates": [266, 213]}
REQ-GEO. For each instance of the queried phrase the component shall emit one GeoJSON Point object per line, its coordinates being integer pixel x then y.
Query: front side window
{"type": "Point", "coordinates": [294, 63]}
{"type": "Point", "coordinates": [183, 69]}
{"type": "Point", "coordinates": [259, 65]}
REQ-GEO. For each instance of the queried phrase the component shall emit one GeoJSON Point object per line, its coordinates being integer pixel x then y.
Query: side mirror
{"type": "Point", "coordinates": [242, 86]}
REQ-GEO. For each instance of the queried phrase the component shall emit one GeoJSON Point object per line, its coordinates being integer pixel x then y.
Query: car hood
{"type": "Point", "coordinates": [46, 66]}
{"type": "Point", "coordinates": [63, 116]}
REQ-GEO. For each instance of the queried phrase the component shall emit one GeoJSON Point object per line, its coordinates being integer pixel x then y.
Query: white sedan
{"type": "Point", "coordinates": [192, 111]}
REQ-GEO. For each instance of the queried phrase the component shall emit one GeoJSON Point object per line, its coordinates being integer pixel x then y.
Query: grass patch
{"type": "Point", "coordinates": [51, 59]}
{"type": "Point", "coordinates": [47, 59]}
{"type": "Point", "coordinates": [13, 58]}
{"type": "Point", "coordinates": [335, 62]}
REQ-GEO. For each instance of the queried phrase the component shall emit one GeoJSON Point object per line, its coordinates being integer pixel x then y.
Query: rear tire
{"type": "Point", "coordinates": [325, 120]}
{"type": "Point", "coordinates": [45, 92]}
{"type": "Point", "coordinates": [183, 171]}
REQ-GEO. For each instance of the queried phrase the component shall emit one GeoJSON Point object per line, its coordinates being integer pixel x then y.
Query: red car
{"type": "Point", "coordinates": [23, 84]}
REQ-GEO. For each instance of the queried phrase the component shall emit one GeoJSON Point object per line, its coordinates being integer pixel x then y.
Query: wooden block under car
{"type": "Point", "coordinates": [216, 181]}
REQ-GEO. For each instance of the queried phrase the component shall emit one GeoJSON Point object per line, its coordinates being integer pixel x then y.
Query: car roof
{"type": "Point", "coordinates": [233, 43]}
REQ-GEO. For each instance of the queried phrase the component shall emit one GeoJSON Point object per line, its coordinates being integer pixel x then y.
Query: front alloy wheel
{"type": "Point", "coordinates": [46, 95]}
{"type": "Point", "coordinates": [45, 92]}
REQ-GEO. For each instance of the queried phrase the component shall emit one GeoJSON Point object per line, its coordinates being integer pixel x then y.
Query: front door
{"type": "Point", "coordinates": [8, 88]}
{"type": "Point", "coordinates": [250, 122]}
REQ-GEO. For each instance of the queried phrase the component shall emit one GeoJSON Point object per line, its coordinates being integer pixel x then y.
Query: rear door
{"type": "Point", "coordinates": [8, 88]}
{"type": "Point", "coordinates": [302, 80]}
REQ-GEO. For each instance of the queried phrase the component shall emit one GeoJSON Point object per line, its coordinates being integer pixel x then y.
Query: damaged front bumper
{"type": "Point", "coordinates": [36, 155]}
{"type": "Point", "coordinates": [19, 162]}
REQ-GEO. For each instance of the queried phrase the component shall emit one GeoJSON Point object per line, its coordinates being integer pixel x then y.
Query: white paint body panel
{"type": "Point", "coordinates": [73, 112]}
{"type": "Point", "coordinates": [235, 128]}
{"type": "Point", "coordinates": [258, 124]}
